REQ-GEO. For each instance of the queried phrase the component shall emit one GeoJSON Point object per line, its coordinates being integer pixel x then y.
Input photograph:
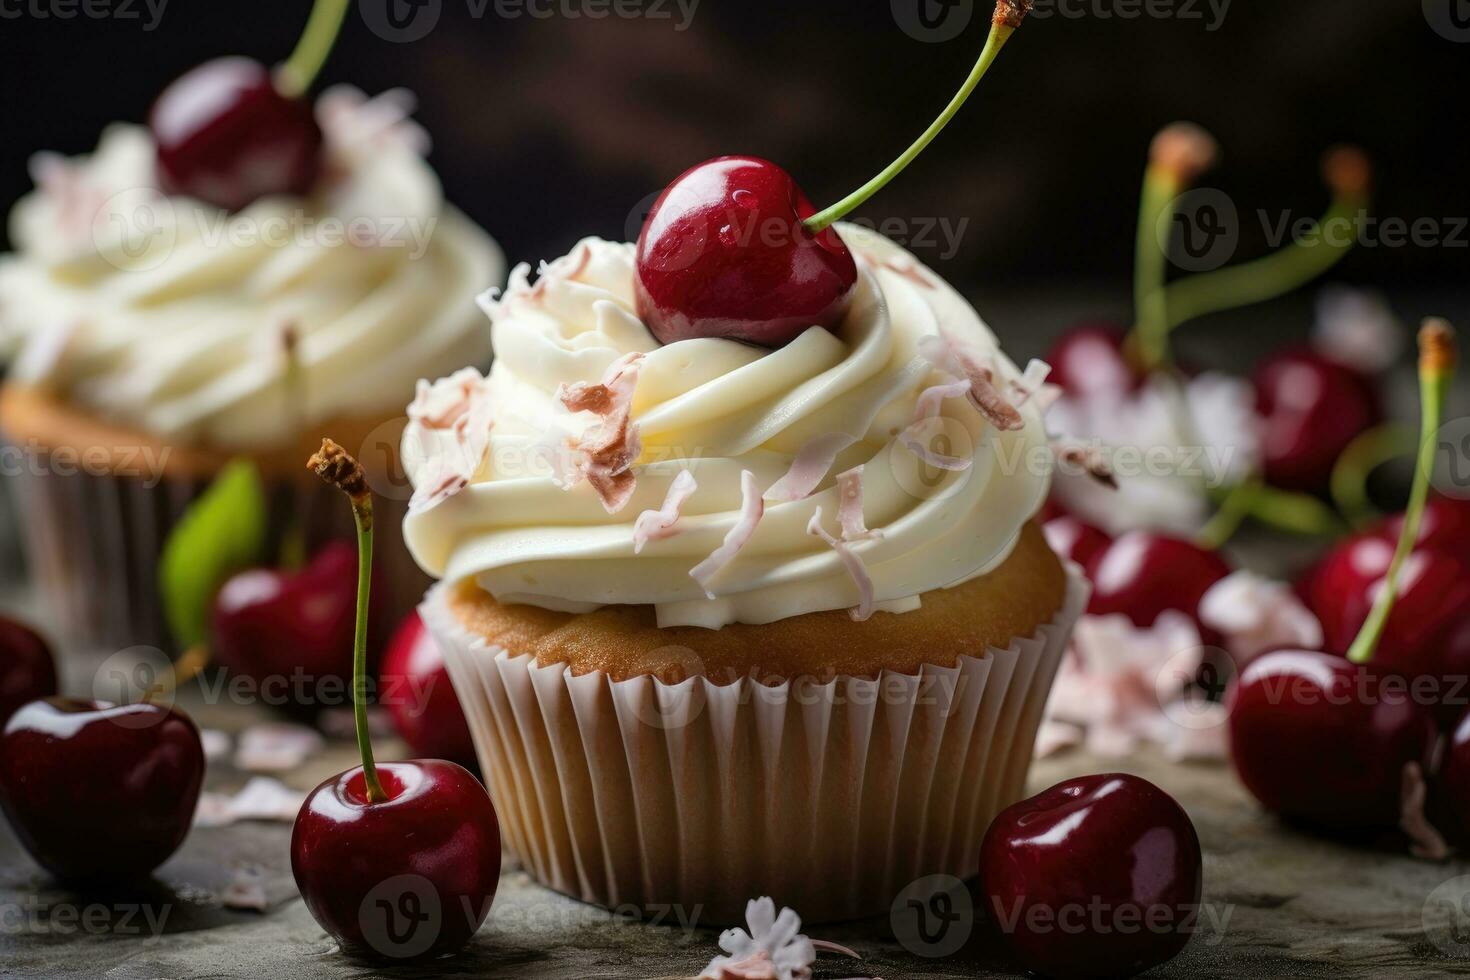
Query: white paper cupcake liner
{"type": "Point", "coordinates": [829, 797]}
{"type": "Point", "coordinates": [93, 541]}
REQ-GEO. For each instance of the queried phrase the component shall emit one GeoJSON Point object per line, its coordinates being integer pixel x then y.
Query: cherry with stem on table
{"type": "Point", "coordinates": [734, 249]}
{"type": "Point", "coordinates": [1339, 743]}
{"type": "Point", "coordinates": [398, 862]}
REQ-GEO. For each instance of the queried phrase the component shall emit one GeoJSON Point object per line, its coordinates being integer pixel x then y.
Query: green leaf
{"type": "Point", "coordinates": [223, 532]}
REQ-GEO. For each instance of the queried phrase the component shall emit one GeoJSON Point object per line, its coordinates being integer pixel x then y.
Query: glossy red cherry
{"type": "Point", "coordinates": [27, 669]}
{"type": "Point", "coordinates": [96, 790]}
{"type": "Point", "coordinates": [226, 136]}
{"type": "Point", "coordinates": [407, 878]}
{"type": "Point", "coordinates": [724, 253]}
{"type": "Point", "coordinates": [1445, 527]}
{"type": "Point", "coordinates": [420, 697]}
{"type": "Point", "coordinates": [1428, 631]}
{"type": "Point", "coordinates": [1321, 740]}
{"type": "Point", "coordinates": [1096, 877]}
{"type": "Point", "coordinates": [1310, 409]}
{"type": "Point", "coordinates": [1142, 574]}
{"type": "Point", "coordinates": [1090, 360]}
{"type": "Point", "coordinates": [1074, 539]}
{"type": "Point", "coordinates": [291, 632]}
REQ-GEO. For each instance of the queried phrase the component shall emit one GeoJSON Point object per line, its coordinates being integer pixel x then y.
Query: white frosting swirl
{"type": "Point", "coordinates": [718, 408]}
{"type": "Point", "coordinates": [166, 314]}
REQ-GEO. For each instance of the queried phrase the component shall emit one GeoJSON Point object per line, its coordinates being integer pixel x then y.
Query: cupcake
{"type": "Point", "coordinates": [728, 621]}
{"type": "Point", "coordinates": [156, 337]}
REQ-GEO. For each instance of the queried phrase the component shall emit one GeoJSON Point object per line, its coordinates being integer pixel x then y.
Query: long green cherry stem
{"type": "Point", "coordinates": [322, 28]}
{"type": "Point", "coordinates": [337, 468]}
{"type": "Point", "coordinates": [1178, 155]}
{"type": "Point", "coordinates": [1436, 369]}
{"type": "Point", "coordinates": [1008, 16]}
{"type": "Point", "coordinates": [1348, 174]}
{"type": "Point", "coordinates": [1370, 450]}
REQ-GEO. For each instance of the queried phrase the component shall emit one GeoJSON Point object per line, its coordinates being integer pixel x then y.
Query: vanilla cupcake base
{"type": "Point", "coordinates": [830, 797]}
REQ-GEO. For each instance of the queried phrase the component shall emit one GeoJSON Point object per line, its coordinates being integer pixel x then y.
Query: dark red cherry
{"type": "Point", "coordinates": [1090, 359]}
{"type": "Point", "coordinates": [1075, 539]}
{"type": "Point", "coordinates": [96, 790]}
{"type": "Point", "coordinates": [1427, 634]}
{"type": "Point", "coordinates": [1142, 574]}
{"type": "Point", "coordinates": [1445, 526]}
{"type": "Point", "coordinates": [1453, 781]}
{"type": "Point", "coordinates": [724, 253]}
{"type": "Point", "coordinates": [1096, 877]}
{"type": "Point", "coordinates": [27, 669]}
{"type": "Point", "coordinates": [290, 633]}
{"type": "Point", "coordinates": [406, 878]}
{"type": "Point", "coordinates": [1310, 409]}
{"type": "Point", "coordinates": [1321, 740]}
{"type": "Point", "coordinates": [420, 698]}
{"type": "Point", "coordinates": [226, 136]}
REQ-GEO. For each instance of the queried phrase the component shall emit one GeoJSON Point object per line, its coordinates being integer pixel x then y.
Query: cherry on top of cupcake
{"type": "Point", "coordinates": [231, 131]}
{"type": "Point", "coordinates": [733, 248]}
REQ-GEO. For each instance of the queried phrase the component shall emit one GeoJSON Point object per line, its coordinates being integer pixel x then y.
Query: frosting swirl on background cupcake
{"type": "Point", "coordinates": [232, 331]}
{"type": "Point", "coordinates": [717, 481]}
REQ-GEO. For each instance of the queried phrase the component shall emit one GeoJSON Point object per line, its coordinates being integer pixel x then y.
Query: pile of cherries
{"type": "Point", "coordinates": [1309, 407]}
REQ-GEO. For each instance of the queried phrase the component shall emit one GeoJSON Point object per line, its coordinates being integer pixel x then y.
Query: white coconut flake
{"type": "Point", "coordinates": [1255, 614]}
{"type": "Point", "coordinates": [1032, 380]}
{"type": "Point", "coordinates": [850, 506]}
{"type": "Point", "coordinates": [854, 565]}
{"type": "Point", "coordinates": [263, 798]}
{"type": "Point", "coordinates": [809, 467]}
{"type": "Point", "coordinates": [277, 747]}
{"type": "Point", "coordinates": [752, 508]}
{"type": "Point", "coordinates": [655, 525]}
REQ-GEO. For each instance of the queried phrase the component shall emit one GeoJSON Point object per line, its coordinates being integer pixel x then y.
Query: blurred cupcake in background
{"type": "Point", "coordinates": [164, 319]}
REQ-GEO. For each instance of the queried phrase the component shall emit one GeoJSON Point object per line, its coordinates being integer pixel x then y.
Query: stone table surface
{"type": "Point", "coordinates": [1276, 903]}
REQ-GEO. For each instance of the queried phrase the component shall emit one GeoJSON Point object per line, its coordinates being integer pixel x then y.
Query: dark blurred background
{"type": "Point", "coordinates": [547, 128]}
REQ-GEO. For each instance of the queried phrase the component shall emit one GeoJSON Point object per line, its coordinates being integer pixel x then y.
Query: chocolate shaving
{"type": "Point", "coordinates": [1089, 459]}
{"type": "Point", "coordinates": [987, 399]}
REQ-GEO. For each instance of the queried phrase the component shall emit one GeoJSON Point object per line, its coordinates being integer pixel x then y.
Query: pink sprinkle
{"type": "Point", "coordinates": [931, 400]}
{"type": "Point", "coordinates": [655, 525]}
{"type": "Point", "coordinates": [809, 467]}
{"type": "Point", "coordinates": [852, 563]}
{"type": "Point", "coordinates": [752, 509]}
{"type": "Point", "coordinates": [850, 506]}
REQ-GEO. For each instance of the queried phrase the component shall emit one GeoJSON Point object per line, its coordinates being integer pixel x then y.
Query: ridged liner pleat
{"type": "Point", "coordinates": [829, 797]}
